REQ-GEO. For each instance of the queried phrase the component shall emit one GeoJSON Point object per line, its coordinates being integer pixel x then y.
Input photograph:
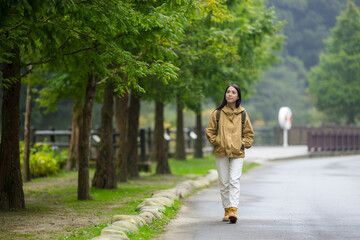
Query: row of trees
{"type": "Point", "coordinates": [307, 29]}
{"type": "Point", "coordinates": [165, 51]}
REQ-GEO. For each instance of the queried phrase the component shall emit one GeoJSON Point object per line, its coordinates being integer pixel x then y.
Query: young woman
{"type": "Point", "coordinates": [230, 132]}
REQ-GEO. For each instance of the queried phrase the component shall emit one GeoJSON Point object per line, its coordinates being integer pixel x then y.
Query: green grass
{"type": "Point", "coordinates": [157, 226]}
{"type": "Point", "coordinates": [192, 165]}
{"type": "Point", "coordinates": [56, 198]}
{"type": "Point", "coordinates": [85, 233]}
{"type": "Point", "coordinates": [197, 166]}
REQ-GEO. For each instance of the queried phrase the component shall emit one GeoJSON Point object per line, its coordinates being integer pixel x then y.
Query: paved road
{"type": "Point", "coordinates": [295, 199]}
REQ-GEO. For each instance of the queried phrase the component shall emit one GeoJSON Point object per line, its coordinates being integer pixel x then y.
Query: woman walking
{"type": "Point", "coordinates": [230, 132]}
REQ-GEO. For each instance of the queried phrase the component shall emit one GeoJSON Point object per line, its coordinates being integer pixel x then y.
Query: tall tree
{"type": "Point", "coordinates": [105, 173]}
{"type": "Point", "coordinates": [19, 33]}
{"type": "Point", "coordinates": [85, 134]}
{"type": "Point", "coordinates": [335, 81]}
{"type": "Point", "coordinates": [132, 134]}
{"type": "Point", "coordinates": [171, 20]}
{"type": "Point", "coordinates": [180, 153]}
{"type": "Point", "coordinates": [159, 142]}
{"type": "Point", "coordinates": [26, 162]}
{"type": "Point", "coordinates": [11, 192]}
{"type": "Point", "coordinates": [121, 118]}
{"type": "Point", "coordinates": [73, 157]}
{"type": "Point", "coordinates": [233, 47]}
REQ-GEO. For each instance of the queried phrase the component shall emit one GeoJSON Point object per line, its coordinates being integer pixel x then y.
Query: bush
{"type": "Point", "coordinates": [44, 160]}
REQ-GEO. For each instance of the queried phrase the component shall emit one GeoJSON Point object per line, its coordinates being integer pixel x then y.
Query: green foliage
{"type": "Point", "coordinates": [285, 85]}
{"type": "Point", "coordinates": [234, 48]}
{"type": "Point", "coordinates": [335, 81]}
{"type": "Point", "coordinates": [307, 23]}
{"type": "Point", "coordinates": [44, 161]}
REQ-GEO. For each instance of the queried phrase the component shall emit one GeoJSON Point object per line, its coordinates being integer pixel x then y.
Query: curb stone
{"type": "Point", "coordinates": [150, 208]}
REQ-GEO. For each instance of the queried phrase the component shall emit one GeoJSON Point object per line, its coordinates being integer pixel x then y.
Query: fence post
{"type": "Point", "coordinates": [32, 136]}
{"type": "Point", "coordinates": [328, 141]}
{"type": "Point", "coordinates": [149, 139]}
{"type": "Point", "coordinates": [309, 141]}
{"type": "Point", "coordinates": [188, 138]}
{"type": "Point", "coordinates": [332, 141]}
{"type": "Point", "coordinates": [52, 137]}
{"type": "Point", "coordinates": [343, 141]}
{"type": "Point", "coordinates": [167, 141]}
{"type": "Point", "coordinates": [142, 145]}
{"type": "Point", "coordinates": [70, 129]}
{"type": "Point", "coordinates": [350, 141]}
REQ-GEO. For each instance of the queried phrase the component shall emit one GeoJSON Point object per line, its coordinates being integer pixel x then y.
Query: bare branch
{"type": "Point", "coordinates": [77, 51]}
{"type": "Point", "coordinates": [64, 27]}
{"type": "Point", "coordinates": [105, 79]}
{"type": "Point", "coordinates": [66, 40]}
{"type": "Point", "coordinates": [14, 27]}
{"type": "Point", "coordinates": [138, 56]}
{"type": "Point", "coordinates": [64, 54]}
{"type": "Point", "coordinates": [37, 63]}
{"type": "Point", "coordinates": [27, 72]}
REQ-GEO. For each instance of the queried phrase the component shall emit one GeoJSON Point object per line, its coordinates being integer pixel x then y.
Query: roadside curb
{"type": "Point", "coordinates": [150, 209]}
{"type": "Point", "coordinates": [308, 155]}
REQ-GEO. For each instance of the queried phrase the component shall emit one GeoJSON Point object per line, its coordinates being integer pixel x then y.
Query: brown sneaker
{"type": "Point", "coordinates": [233, 215]}
{"type": "Point", "coordinates": [227, 213]}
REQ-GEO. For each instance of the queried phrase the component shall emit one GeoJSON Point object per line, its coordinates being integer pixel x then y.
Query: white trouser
{"type": "Point", "coordinates": [229, 170]}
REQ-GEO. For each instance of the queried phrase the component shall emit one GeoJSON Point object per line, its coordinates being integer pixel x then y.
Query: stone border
{"type": "Point", "coordinates": [150, 208]}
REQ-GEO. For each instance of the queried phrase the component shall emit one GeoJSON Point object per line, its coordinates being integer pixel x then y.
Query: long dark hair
{"type": "Point", "coordinates": [224, 102]}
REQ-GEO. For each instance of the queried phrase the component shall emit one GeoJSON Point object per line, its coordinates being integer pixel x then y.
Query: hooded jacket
{"type": "Point", "coordinates": [230, 141]}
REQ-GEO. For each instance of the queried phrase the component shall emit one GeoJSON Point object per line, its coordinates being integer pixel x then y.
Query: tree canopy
{"type": "Point", "coordinates": [334, 83]}
{"type": "Point", "coordinates": [307, 24]}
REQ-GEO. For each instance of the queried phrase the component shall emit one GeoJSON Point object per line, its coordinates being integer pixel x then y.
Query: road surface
{"type": "Point", "coordinates": [295, 199]}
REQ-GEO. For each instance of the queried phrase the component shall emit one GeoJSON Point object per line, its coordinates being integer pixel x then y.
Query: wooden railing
{"type": "Point", "coordinates": [61, 138]}
{"type": "Point", "coordinates": [333, 140]}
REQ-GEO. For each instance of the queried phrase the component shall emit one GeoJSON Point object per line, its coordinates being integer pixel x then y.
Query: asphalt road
{"type": "Point", "coordinates": [296, 199]}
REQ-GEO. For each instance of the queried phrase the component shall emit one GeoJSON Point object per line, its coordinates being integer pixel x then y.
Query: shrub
{"type": "Point", "coordinates": [44, 160]}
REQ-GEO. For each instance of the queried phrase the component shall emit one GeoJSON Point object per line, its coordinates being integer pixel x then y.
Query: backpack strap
{"type": "Point", "coordinates": [217, 121]}
{"type": "Point", "coordinates": [243, 117]}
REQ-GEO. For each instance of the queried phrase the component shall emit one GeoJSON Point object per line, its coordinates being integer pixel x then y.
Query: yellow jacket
{"type": "Point", "coordinates": [229, 141]}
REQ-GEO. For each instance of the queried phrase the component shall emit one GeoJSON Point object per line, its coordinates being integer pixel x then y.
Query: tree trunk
{"type": "Point", "coordinates": [105, 173]}
{"type": "Point", "coordinates": [132, 143]}
{"type": "Point", "coordinates": [73, 158]}
{"type": "Point", "coordinates": [11, 185]}
{"type": "Point", "coordinates": [121, 116]}
{"type": "Point", "coordinates": [84, 145]}
{"type": "Point", "coordinates": [26, 162]}
{"type": "Point", "coordinates": [160, 153]}
{"type": "Point", "coordinates": [180, 153]}
{"type": "Point", "coordinates": [199, 140]}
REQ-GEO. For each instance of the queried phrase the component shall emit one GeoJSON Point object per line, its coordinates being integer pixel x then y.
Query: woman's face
{"type": "Point", "coordinates": [231, 95]}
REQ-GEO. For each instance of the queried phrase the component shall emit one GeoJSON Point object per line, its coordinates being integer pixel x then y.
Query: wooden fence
{"type": "Point", "coordinates": [326, 138]}
{"type": "Point", "coordinates": [333, 140]}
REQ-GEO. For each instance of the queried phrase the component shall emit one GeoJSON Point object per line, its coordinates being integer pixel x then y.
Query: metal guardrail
{"type": "Point", "coordinates": [320, 140]}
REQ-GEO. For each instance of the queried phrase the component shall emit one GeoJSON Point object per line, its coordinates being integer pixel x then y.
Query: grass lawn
{"type": "Point", "coordinates": [53, 212]}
